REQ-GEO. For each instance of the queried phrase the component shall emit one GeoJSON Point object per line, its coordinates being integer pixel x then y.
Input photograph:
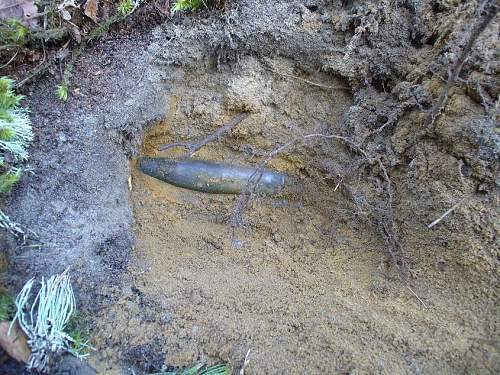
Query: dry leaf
{"type": "Point", "coordinates": [16, 345]}
{"type": "Point", "coordinates": [90, 8]}
{"type": "Point", "coordinates": [76, 34]}
{"type": "Point", "coordinates": [65, 14]}
{"type": "Point", "coordinates": [62, 53]}
{"type": "Point", "coordinates": [68, 4]}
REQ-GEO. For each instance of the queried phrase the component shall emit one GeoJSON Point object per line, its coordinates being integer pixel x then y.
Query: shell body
{"type": "Point", "coordinates": [217, 178]}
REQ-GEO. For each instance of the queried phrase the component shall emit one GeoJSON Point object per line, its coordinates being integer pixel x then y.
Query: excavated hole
{"type": "Point", "coordinates": [309, 286]}
{"type": "Point", "coordinates": [219, 299]}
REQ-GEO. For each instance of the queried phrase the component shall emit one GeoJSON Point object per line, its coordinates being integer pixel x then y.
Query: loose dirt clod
{"type": "Point", "coordinates": [14, 342]}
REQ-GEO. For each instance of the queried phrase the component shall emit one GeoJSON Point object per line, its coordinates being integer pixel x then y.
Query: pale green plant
{"type": "Point", "coordinates": [63, 91]}
{"type": "Point", "coordinates": [126, 7]}
{"type": "Point", "coordinates": [199, 369]}
{"type": "Point", "coordinates": [183, 5]}
{"type": "Point", "coordinates": [44, 319]}
{"type": "Point", "coordinates": [7, 224]}
{"type": "Point", "coordinates": [15, 137]}
{"type": "Point", "coordinates": [9, 179]}
{"type": "Point", "coordinates": [7, 307]}
{"type": "Point", "coordinates": [15, 125]}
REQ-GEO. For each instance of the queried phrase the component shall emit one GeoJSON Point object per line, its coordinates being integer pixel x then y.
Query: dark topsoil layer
{"type": "Point", "coordinates": [394, 57]}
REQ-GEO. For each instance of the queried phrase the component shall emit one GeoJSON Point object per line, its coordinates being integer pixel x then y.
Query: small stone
{"type": "Point", "coordinates": [167, 318]}
{"type": "Point", "coordinates": [61, 137]}
{"type": "Point", "coordinates": [325, 18]}
{"type": "Point", "coordinates": [15, 344]}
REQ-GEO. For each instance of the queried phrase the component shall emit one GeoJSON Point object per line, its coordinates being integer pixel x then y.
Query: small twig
{"type": "Point", "coordinates": [50, 35]}
{"type": "Point", "coordinates": [439, 219]}
{"type": "Point", "coordinates": [38, 70]}
{"type": "Point", "coordinates": [246, 362]}
{"type": "Point", "coordinates": [316, 84]}
{"type": "Point", "coordinates": [415, 294]}
{"type": "Point", "coordinates": [136, 5]}
{"type": "Point", "coordinates": [193, 147]}
{"type": "Point", "coordinates": [395, 248]}
{"type": "Point", "coordinates": [8, 62]}
{"type": "Point", "coordinates": [336, 187]}
{"type": "Point", "coordinates": [393, 117]}
{"type": "Point", "coordinates": [7, 46]}
{"type": "Point", "coordinates": [42, 67]}
{"type": "Point", "coordinates": [307, 137]}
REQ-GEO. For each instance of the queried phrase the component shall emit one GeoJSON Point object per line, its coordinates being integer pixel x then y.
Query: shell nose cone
{"type": "Point", "coordinates": [147, 166]}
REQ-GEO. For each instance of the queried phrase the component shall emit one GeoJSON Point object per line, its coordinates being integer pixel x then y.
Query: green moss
{"type": "Point", "coordinates": [19, 31]}
{"type": "Point", "coordinates": [9, 179]}
{"type": "Point", "coordinates": [15, 136]}
{"type": "Point", "coordinates": [8, 99]}
{"type": "Point", "coordinates": [5, 115]}
{"type": "Point", "coordinates": [78, 329]}
{"type": "Point", "coordinates": [183, 5]}
{"type": "Point", "coordinates": [126, 7]}
{"type": "Point", "coordinates": [13, 34]}
{"type": "Point", "coordinates": [62, 91]}
{"type": "Point", "coordinates": [7, 133]}
{"type": "Point", "coordinates": [216, 370]}
{"type": "Point", "coordinates": [7, 307]}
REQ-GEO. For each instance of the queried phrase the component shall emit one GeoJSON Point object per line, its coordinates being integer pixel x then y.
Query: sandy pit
{"type": "Point", "coordinates": [305, 292]}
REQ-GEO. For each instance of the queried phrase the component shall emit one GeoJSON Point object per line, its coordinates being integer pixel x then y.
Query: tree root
{"type": "Point", "coordinates": [193, 147]}
{"type": "Point", "coordinates": [486, 11]}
